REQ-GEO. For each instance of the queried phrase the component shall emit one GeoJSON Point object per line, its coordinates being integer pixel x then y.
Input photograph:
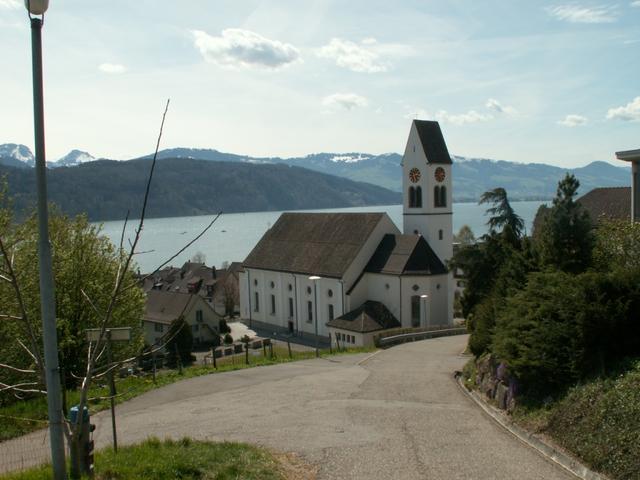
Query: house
{"type": "Point", "coordinates": [313, 274]}
{"type": "Point", "coordinates": [163, 307]}
{"type": "Point", "coordinates": [219, 287]}
{"type": "Point", "coordinates": [610, 203]}
{"type": "Point", "coordinates": [633, 156]}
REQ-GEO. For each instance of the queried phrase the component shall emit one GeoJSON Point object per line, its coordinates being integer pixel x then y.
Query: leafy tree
{"type": "Point", "coordinates": [84, 265]}
{"type": "Point", "coordinates": [617, 246]}
{"type": "Point", "coordinates": [566, 239]}
{"type": "Point", "coordinates": [503, 218]}
{"type": "Point", "coordinates": [465, 236]}
{"type": "Point", "coordinates": [223, 327]}
{"type": "Point", "coordinates": [180, 343]}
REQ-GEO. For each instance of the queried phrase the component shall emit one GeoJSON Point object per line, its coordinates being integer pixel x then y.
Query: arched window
{"type": "Point", "coordinates": [436, 196]}
{"type": "Point", "coordinates": [440, 234]}
{"type": "Point", "coordinates": [418, 197]}
{"type": "Point", "coordinates": [412, 197]}
{"type": "Point", "coordinates": [443, 196]}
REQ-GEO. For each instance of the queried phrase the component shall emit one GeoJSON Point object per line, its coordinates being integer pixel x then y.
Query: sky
{"type": "Point", "coordinates": [526, 81]}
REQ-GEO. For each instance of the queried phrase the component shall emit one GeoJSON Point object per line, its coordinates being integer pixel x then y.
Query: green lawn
{"type": "Point", "coordinates": [184, 459]}
{"type": "Point", "coordinates": [12, 417]}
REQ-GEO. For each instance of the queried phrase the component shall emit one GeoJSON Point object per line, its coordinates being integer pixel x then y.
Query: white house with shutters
{"type": "Point", "coordinates": [350, 275]}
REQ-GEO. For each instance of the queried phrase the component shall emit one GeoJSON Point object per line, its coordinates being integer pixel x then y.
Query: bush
{"type": "Point", "coordinates": [228, 339]}
{"type": "Point", "coordinates": [223, 327]}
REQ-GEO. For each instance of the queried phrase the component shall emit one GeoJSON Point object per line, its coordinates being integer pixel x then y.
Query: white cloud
{"type": "Point", "coordinates": [359, 58]}
{"type": "Point", "coordinates": [573, 120]}
{"type": "Point", "coordinates": [113, 68]}
{"type": "Point", "coordinates": [462, 118]}
{"type": "Point", "coordinates": [635, 3]}
{"type": "Point", "coordinates": [348, 101]}
{"type": "Point", "coordinates": [496, 106]}
{"type": "Point", "coordinates": [629, 112]}
{"type": "Point", "coordinates": [575, 13]}
{"type": "Point", "coordinates": [238, 48]}
{"type": "Point", "coordinates": [10, 4]}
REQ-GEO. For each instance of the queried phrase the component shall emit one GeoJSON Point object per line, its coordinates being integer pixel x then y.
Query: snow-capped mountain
{"type": "Point", "coordinates": [15, 155]}
{"type": "Point", "coordinates": [72, 159]}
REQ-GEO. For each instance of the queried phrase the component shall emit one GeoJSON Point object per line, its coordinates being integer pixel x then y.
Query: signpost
{"type": "Point", "coordinates": [118, 334]}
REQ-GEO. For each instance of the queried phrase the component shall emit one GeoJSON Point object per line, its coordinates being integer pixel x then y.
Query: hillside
{"type": "Point", "coordinates": [107, 189]}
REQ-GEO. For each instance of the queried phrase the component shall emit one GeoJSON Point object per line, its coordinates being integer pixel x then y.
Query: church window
{"type": "Point", "coordinates": [272, 284]}
{"type": "Point", "coordinates": [290, 307]}
{"type": "Point", "coordinates": [273, 304]}
{"type": "Point", "coordinates": [308, 290]}
{"type": "Point", "coordinates": [330, 312]}
{"type": "Point", "coordinates": [330, 293]}
{"type": "Point", "coordinates": [436, 196]}
{"type": "Point", "coordinates": [415, 288]}
{"type": "Point", "coordinates": [290, 287]}
{"type": "Point", "coordinates": [412, 197]}
{"type": "Point", "coordinates": [418, 202]}
{"type": "Point", "coordinates": [443, 196]}
{"type": "Point", "coordinates": [256, 303]}
{"type": "Point", "coordinates": [414, 149]}
{"type": "Point", "coordinates": [416, 232]}
{"type": "Point", "coordinates": [415, 311]}
{"type": "Point", "coordinates": [309, 312]}
{"type": "Point", "coordinates": [440, 234]}
{"type": "Point", "coordinates": [255, 282]}
{"type": "Point", "coordinates": [438, 287]}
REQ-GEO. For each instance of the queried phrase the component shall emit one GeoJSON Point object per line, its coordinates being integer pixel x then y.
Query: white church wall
{"type": "Point", "coordinates": [386, 290]}
{"type": "Point", "coordinates": [437, 300]}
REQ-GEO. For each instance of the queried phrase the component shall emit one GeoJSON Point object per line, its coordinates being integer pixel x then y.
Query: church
{"type": "Point", "coordinates": [346, 276]}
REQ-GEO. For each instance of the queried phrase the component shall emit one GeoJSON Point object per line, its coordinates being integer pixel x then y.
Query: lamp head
{"type": "Point", "coordinates": [36, 7]}
{"type": "Point", "coordinates": [313, 278]}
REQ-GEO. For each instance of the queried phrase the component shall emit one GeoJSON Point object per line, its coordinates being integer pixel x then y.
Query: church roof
{"type": "Point", "coordinates": [322, 244]}
{"type": "Point", "coordinates": [609, 202]}
{"type": "Point", "coordinates": [405, 255]}
{"type": "Point", "coordinates": [432, 141]}
{"type": "Point", "coordinates": [371, 316]}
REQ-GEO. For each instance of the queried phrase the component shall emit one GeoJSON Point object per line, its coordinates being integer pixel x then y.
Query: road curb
{"type": "Point", "coordinates": [361, 362]}
{"type": "Point", "coordinates": [546, 450]}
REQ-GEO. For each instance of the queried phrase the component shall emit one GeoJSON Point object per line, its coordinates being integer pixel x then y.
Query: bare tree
{"type": "Point", "coordinates": [96, 366]}
{"type": "Point", "coordinates": [199, 257]}
{"type": "Point", "coordinates": [230, 293]}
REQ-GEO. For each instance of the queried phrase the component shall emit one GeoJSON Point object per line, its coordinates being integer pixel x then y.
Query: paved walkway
{"type": "Point", "coordinates": [400, 415]}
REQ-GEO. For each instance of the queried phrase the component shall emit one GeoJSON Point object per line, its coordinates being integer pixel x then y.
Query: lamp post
{"type": "Point", "coordinates": [314, 279]}
{"type": "Point", "coordinates": [36, 9]}
{"type": "Point", "coordinates": [423, 299]}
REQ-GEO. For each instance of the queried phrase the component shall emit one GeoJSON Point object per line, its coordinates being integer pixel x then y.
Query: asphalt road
{"type": "Point", "coordinates": [399, 415]}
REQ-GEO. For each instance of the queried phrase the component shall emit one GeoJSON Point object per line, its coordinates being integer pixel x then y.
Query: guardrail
{"type": "Point", "coordinates": [415, 336]}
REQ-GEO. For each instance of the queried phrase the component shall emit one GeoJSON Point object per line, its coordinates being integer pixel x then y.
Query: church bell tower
{"type": "Point", "coordinates": [426, 188]}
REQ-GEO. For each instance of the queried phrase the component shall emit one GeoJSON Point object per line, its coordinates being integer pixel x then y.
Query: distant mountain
{"type": "Point", "coordinates": [73, 159]}
{"type": "Point", "coordinates": [107, 190]}
{"type": "Point", "coordinates": [471, 176]}
{"type": "Point", "coordinates": [14, 155]}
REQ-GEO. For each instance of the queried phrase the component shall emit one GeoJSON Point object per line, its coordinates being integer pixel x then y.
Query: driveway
{"type": "Point", "coordinates": [398, 415]}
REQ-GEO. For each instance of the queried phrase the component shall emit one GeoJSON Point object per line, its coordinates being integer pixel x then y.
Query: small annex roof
{"type": "Point", "coordinates": [432, 141]}
{"type": "Point", "coordinates": [608, 203]}
{"type": "Point", "coordinates": [405, 255]}
{"type": "Point", "coordinates": [322, 244]}
{"type": "Point", "coordinates": [369, 317]}
{"type": "Point", "coordinates": [165, 307]}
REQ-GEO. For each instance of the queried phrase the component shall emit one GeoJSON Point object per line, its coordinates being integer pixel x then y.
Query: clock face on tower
{"type": "Point", "coordinates": [414, 175]}
{"type": "Point", "coordinates": [439, 174]}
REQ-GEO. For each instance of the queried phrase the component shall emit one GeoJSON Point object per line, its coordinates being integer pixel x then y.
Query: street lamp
{"type": "Point", "coordinates": [423, 299]}
{"type": "Point", "coordinates": [314, 279]}
{"type": "Point", "coordinates": [36, 9]}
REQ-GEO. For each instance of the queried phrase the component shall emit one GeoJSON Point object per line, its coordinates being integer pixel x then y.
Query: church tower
{"type": "Point", "coordinates": [426, 188]}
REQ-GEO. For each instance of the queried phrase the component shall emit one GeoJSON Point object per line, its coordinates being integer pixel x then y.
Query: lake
{"type": "Point", "coordinates": [234, 235]}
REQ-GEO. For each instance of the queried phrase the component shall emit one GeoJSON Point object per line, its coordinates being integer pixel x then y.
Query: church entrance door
{"type": "Point", "coordinates": [415, 311]}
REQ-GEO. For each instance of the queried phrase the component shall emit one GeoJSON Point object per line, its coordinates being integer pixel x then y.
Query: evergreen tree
{"type": "Point", "coordinates": [503, 217]}
{"type": "Point", "coordinates": [566, 239]}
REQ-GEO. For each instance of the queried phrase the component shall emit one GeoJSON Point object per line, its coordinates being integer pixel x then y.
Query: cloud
{"type": "Point", "coordinates": [112, 68]}
{"type": "Point", "coordinates": [573, 120]}
{"type": "Point", "coordinates": [629, 112]}
{"type": "Point", "coordinates": [575, 13]}
{"type": "Point", "coordinates": [635, 3]}
{"type": "Point", "coordinates": [359, 58]}
{"type": "Point", "coordinates": [10, 4]}
{"type": "Point", "coordinates": [238, 48]}
{"type": "Point", "coordinates": [348, 101]}
{"type": "Point", "coordinates": [496, 106]}
{"type": "Point", "coordinates": [462, 118]}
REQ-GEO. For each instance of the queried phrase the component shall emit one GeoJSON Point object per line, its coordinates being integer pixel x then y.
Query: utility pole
{"type": "Point", "coordinates": [47, 288]}
{"type": "Point", "coordinates": [112, 392]}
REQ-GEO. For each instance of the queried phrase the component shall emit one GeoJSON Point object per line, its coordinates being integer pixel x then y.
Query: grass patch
{"type": "Point", "coordinates": [598, 421]}
{"type": "Point", "coordinates": [185, 459]}
{"type": "Point", "coordinates": [26, 416]}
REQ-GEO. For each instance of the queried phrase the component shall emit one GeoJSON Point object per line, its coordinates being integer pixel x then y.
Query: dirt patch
{"type": "Point", "coordinates": [293, 467]}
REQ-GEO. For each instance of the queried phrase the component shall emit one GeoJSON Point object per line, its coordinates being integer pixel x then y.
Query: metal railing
{"type": "Point", "coordinates": [385, 342]}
